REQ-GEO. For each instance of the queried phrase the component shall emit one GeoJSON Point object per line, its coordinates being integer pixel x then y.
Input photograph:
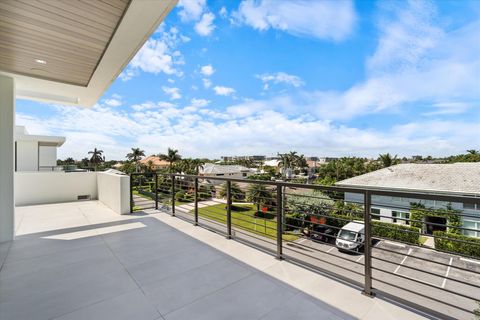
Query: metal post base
{"type": "Point", "coordinates": [368, 294]}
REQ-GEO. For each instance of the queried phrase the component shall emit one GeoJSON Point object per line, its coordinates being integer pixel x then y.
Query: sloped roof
{"type": "Point", "coordinates": [461, 177]}
{"type": "Point", "coordinates": [156, 161]}
{"type": "Point", "coordinates": [219, 169]}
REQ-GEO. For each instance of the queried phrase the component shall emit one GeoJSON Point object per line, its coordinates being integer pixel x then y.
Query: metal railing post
{"type": "Point", "coordinates": [279, 222]}
{"type": "Point", "coordinates": [229, 209]}
{"type": "Point", "coordinates": [367, 290]}
{"type": "Point", "coordinates": [156, 191]}
{"type": "Point", "coordinates": [131, 193]}
{"type": "Point", "coordinates": [173, 195]}
{"type": "Point", "coordinates": [196, 202]}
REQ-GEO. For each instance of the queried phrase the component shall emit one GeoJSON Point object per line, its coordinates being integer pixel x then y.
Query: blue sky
{"type": "Point", "coordinates": [325, 78]}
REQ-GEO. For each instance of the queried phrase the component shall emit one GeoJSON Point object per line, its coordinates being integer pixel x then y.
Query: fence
{"type": "Point", "coordinates": [381, 248]}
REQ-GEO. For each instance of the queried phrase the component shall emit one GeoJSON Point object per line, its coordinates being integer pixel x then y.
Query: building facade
{"type": "Point", "coordinates": [36, 152]}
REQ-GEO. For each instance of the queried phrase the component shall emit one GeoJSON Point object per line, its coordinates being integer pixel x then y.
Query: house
{"type": "Point", "coordinates": [462, 179]}
{"type": "Point", "coordinates": [228, 171]}
{"type": "Point", "coordinates": [35, 152]}
{"type": "Point", "coordinates": [154, 163]}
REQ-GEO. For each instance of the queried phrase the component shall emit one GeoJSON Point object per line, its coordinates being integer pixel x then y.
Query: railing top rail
{"type": "Point", "coordinates": [414, 194]}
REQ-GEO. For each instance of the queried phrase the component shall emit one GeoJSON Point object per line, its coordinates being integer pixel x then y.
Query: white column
{"type": "Point", "coordinates": [7, 129]}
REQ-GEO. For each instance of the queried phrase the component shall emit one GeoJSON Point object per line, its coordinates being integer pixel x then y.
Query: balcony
{"type": "Point", "coordinates": [82, 260]}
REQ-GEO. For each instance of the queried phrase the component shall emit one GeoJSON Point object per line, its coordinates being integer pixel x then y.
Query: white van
{"type": "Point", "coordinates": [351, 237]}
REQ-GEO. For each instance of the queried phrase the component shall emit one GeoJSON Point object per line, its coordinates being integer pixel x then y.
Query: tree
{"type": "Point", "coordinates": [387, 160]}
{"type": "Point", "coordinates": [96, 157]}
{"type": "Point", "coordinates": [134, 156]}
{"type": "Point", "coordinates": [259, 195]}
{"type": "Point", "coordinates": [171, 157]}
{"type": "Point", "coordinates": [69, 160]}
{"type": "Point", "coordinates": [191, 166]}
{"type": "Point", "coordinates": [235, 191]}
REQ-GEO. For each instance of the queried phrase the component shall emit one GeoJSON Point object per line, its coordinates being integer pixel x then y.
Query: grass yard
{"type": "Point", "coordinates": [244, 218]}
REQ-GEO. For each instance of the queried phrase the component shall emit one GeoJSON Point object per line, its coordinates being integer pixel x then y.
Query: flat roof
{"type": "Point", "coordinates": [462, 177]}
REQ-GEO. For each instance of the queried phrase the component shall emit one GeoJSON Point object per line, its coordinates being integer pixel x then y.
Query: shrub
{"type": "Point", "coordinates": [449, 242]}
{"type": "Point", "coordinates": [398, 232]}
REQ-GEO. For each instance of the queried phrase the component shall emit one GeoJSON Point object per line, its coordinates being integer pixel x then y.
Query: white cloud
{"type": "Point", "coordinates": [158, 55]}
{"type": "Point", "coordinates": [205, 26]}
{"type": "Point", "coordinates": [432, 68]}
{"type": "Point", "coordinates": [223, 13]}
{"type": "Point", "coordinates": [113, 102]}
{"type": "Point", "coordinates": [199, 102]}
{"type": "Point", "coordinates": [207, 70]}
{"type": "Point", "coordinates": [202, 132]}
{"type": "Point", "coordinates": [191, 10]}
{"type": "Point", "coordinates": [330, 20]}
{"type": "Point", "coordinates": [280, 77]}
{"type": "Point", "coordinates": [206, 83]}
{"type": "Point", "coordinates": [173, 92]}
{"type": "Point", "coordinates": [223, 91]}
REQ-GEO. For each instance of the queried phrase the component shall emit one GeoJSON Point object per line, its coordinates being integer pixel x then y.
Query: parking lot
{"type": "Point", "coordinates": [408, 271]}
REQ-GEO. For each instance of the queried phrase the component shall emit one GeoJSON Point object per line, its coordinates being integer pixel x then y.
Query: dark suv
{"type": "Point", "coordinates": [323, 233]}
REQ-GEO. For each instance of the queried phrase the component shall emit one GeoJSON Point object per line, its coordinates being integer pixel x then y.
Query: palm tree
{"type": "Point", "coordinates": [387, 160]}
{"type": "Point", "coordinates": [134, 156]}
{"type": "Point", "coordinates": [472, 151]}
{"type": "Point", "coordinates": [96, 157]}
{"type": "Point", "coordinates": [171, 157]}
{"type": "Point", "coordinates": [235, 190]}
{"type": "Point", "coordinates": [259, 195]}
{"type": "Point", "coordinates": [198, 164]}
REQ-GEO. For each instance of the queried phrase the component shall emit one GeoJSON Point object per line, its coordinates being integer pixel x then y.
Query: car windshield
{"type": "Point", "coordinates": [347, 235]}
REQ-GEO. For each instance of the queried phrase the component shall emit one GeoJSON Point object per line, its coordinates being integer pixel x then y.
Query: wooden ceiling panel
{"type": "Point", "coordinates": [55, 39]}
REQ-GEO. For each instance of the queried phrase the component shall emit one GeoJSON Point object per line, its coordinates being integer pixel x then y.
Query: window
{"type": "Point", "coordinates": [470, 224]}
{"type": "Point", "coordinates": [470, 206]}
{"type": "Point", "coordinates": [402, 215]}
{"type": "Point", "coordinates": [244, 174]}
{"type": "Point", "coordinates": [375, 214]}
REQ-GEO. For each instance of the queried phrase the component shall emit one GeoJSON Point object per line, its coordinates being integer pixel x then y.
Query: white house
{"type": "Point", "coordinates": [35, 152]}
{"type": "Point", "coordinates": [462, 179]}
{"type": "Point", "coordinates": [228, 171]}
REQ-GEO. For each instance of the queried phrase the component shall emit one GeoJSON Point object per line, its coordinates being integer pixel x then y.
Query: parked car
{"type": "Point", "coordinates": [351, 237]}
{"type": "Point", "coordinates": [323, 233]}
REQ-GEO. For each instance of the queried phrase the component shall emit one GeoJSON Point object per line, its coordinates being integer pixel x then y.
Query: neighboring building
{"type": "Point", "coordinates": [236, 158]}
{"type": "Point", "coordinates": [457, 179]}
{"type": "Point", "coordinates": [35, 152]}
{"type": "Point", "coordinates": [274, 163]}
{"type": "Point", "coordinates": [154, 162]}
{"type": "Point", "coordinates": [228, 171]}
{"type": "Point", "coordinates": [323, 160]}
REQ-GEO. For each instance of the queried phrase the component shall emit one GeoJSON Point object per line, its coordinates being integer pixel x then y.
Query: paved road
{"type": "Point", "coordinates": [397, 266]}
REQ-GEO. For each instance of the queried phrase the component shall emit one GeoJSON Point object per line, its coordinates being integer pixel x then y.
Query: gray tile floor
{"type": "Point", "coordinates": [152, 272]}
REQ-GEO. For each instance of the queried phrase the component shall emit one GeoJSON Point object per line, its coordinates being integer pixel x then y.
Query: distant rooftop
{"type": "Point", "coordinates": [217, 168]}
{"type": "Point", "coordinates": [456, 177]}
{"type": "Point", "coordinates": [21, 134]}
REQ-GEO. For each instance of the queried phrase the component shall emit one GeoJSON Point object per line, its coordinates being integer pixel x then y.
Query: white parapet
{"type": "Point", "coordinates": [54, 187]}
{"type": "Point", "coordinates": [114, 190]}
{"type": "Point", "coordinates": [110, 187]}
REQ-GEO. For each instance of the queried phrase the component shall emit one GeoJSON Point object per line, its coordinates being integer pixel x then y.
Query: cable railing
{"type": "Point", "coordinates": [321, 228]}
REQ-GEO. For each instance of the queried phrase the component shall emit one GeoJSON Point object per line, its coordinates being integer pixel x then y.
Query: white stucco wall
{"type": "Point", "coordinates": [53, 187]}
{"type": "Point", "coordinates": [114, 191]}
{"type": "Point", "coordinates": [47, 156]}
{"type": "Point", "coordinates": [27, 156]}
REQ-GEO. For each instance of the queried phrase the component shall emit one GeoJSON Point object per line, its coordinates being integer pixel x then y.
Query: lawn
{"type": "Point", "coordinates": [243, 217]}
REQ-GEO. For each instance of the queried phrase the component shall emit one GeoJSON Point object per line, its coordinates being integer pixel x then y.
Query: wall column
{"type": "Point", "coordinates": [7, 162]}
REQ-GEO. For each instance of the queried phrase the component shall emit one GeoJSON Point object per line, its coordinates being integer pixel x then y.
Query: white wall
{"type": "Point", "coordinates": [27, 156]}
{"type": "Point", "coordinates": [114, 191]}
{"type": "Point", "coordinates": [52, 187]}
{"type": "Point", "coordinates": [47, 156]}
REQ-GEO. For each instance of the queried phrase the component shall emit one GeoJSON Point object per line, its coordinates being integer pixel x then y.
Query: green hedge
{"type": "Point", "coordinates": [398, 232]}
{"type": "Point", "coordinates": [387, 230]}
{"type": "Point", "coordinates": [467, 245]}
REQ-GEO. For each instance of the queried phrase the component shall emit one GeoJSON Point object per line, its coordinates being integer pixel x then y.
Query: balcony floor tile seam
{"type": "Point", "coordinates": [209, 294]}
{"type": "Point", "coordinates": [94, 303]}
